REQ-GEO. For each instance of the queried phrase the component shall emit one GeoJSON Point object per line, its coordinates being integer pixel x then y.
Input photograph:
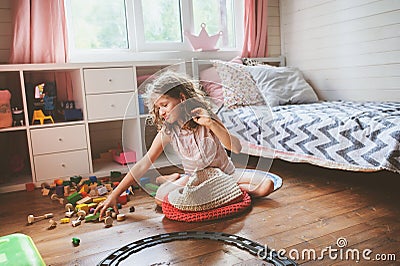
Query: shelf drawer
{"type": "Point", "coordinates": [108, 80]}
{"type": "Point", "coordinates": [64, 164]}
{"type": "Point", "coordinates": [106, 106]}
{"type": "Point", "coordinates": [58, 139]}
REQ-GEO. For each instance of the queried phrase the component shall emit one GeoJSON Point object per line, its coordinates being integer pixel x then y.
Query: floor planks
{"type": "Point", "coordinates": [311, 211]}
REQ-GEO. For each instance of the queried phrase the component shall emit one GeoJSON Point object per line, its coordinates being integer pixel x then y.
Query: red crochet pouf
{"type": "Point", "coordinates": [197, 216]}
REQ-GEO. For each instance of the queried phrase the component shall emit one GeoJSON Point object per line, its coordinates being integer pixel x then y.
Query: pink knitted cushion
{"type": "Point", "coordinates": [237, 206]}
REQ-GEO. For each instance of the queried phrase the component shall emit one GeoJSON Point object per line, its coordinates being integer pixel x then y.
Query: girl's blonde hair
{"type": "Point", "coordinates": [174, 84]}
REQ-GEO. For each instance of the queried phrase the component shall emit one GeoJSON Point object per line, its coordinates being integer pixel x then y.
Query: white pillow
{"type": "Point", "coordinates": [282, 85]}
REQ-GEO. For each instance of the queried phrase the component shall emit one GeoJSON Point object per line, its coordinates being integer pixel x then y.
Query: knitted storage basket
{"type": "Point", "coordinates": [175, 214]}
{"type": "Point", "coordinates": [206, 189]}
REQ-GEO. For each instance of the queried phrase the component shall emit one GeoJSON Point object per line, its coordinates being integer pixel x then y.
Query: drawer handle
{"type": "Point", "coordinates": [60, 139]}
{"type": "Point", "coordinates": [112, 105]}
{"type": "Point", "coordinates": [110, 80]}
{"type": "Point", "coordinates": [63, 165]}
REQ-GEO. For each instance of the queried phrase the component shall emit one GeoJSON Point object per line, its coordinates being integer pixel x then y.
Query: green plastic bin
{"type": "Point", "coordinates": [19, 249]}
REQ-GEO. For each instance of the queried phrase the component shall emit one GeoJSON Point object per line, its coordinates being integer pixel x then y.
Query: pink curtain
{"type": "Point", "coordinates": [40, 36]}
{"type": "Point", "coordinates": [255, 28]}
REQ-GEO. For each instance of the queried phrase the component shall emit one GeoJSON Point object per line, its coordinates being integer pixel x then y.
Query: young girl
{"type": "Point", "coordinates": [184, 119]}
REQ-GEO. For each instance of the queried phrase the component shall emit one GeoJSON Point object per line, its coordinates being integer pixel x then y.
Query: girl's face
{"type": "Point", "coordinates": [167, 108]}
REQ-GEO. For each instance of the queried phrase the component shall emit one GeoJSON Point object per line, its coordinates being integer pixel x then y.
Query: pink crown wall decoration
{"type": "Point", "coordinates": [204, 42]}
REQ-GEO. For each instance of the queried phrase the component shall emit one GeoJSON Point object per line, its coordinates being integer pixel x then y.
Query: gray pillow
{"type": "Point", "coordinates": [282, 85]}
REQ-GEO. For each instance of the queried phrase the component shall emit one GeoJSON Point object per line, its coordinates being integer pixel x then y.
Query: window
{"type": "Point", "coordinates": [134, 26]}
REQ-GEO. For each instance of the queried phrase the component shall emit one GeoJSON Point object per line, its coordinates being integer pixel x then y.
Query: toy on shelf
{"type": "Point", "coordinates": [38, 115]}
{"type": "Point", "coordinates": [69, 112]}
{"type": "Point", "coordinates": [123, 157]}
{"type": "Point", "coordinates": [18, 116]}
{"type": "Point", "coordinates": [5, 109]}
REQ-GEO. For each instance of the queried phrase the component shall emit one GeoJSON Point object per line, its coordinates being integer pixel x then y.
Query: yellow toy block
{"type": "Point", "coordinates": [92, 205]}
{"type": "Point", "coordinates": [65, 220]}
{"type": "Point", "coordinates": [85, 200]}
{"type": "Point", "coordinates": [84, 188]}
{"type": "Point", "coordinates": [83, 207]}
{"type": "Point", "coordinates": [98, 200]}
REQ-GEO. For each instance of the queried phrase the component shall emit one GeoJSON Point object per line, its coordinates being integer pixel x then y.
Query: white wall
{"type": "Point", "coordinates": [5, 30]}
{"type": "Point", "coordinates": [347, 49]}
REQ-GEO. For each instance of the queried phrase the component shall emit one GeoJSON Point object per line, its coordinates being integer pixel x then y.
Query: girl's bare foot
{"type": "Point", "coordinates": [170, 178]}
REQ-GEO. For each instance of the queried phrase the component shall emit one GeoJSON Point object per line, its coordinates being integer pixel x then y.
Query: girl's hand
{"type": "Point", "coordinates": [202, 117]}
{"type": "Point", "coordinates": [111, 201]}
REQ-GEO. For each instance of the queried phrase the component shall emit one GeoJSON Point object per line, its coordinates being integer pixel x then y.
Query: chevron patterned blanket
{"type": "Point", "coordinates": [357, 136]}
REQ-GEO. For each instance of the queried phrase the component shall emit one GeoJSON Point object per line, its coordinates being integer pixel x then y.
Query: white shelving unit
{"type": "Point", "coordinates": [107, 94]}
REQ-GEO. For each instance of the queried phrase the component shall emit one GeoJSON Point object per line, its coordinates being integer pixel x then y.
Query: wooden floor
{"type": "Point", "coordinates": [314, 208]}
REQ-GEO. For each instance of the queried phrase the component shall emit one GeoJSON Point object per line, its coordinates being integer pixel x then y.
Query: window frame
{"type": "Point", "coordinates": [139, 49]}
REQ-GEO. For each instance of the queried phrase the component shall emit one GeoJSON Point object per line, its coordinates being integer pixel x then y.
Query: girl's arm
{"type": "Point", "coordinates": [202, 117]}
{"type": "Point", "coordinates": [136, 172]}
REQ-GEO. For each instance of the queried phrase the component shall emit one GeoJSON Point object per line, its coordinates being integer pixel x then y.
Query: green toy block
{"type": "Point", "coordinates": [92, 217]}
{"type": "Point", "coordinates": [115, 175]}
{"type": "Point", "coordinates": [74, 197]}
{"type": "Point", "coordinates": [76, 179]}
{"type": "Point", "coordinates": [151, 187]}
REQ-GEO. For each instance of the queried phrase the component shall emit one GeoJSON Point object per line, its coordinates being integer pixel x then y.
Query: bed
{"type": "Point", "coordinates": [276, 114]}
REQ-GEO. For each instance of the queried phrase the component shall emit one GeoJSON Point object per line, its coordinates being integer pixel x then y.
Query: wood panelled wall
{"type": "Point", "coordinates": [348, 50]}
{"type": "Point", "coordinates": [5, 30]}
{"type": "Point", "coordinates": [274, 29]}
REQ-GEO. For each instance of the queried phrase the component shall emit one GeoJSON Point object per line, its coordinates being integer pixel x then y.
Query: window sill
{"type": "Point", "coordinates": [121, 56]}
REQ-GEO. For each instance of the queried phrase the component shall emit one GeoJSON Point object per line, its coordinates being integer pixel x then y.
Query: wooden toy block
{"type": "Point", "coordinates": [92, 217]}
{"type": "Point", "coordinates": [60, 190]}
{"type": "Point", "coordinates": [45, 192]}
{"type": "Point", "coordinates": [93, 193]}
{"type": "Point", "coordinates": [84, 200]}
{"type": "Point", "coordinates": [52, 223]}
{"type": "Point", "coordinates": [69, 210]}
{"type": "Point", "coordinates": [65, 220]}
{"type": "Point", "coordinates": [93, 186]}
{"type": "Point", "coordinates": [75, 179]}
{"type": "Point", "coordinates": [99, 199]}
{"type": "Point", "coordinates": [82, 181]}
{"type": "Point", "coordinates": [74, 197]}
{"type": "Point", "coordinates": [81, 217]}
{"type": "Point", "coordinates": [108, 221]}
{"type": "Point", "coordinates": [151, 187]}
{"type": "Point", "coordinates": [30, 186]}
{"type": "Point", "coordinates": [83, 207]}
{"type": "Point", "coordinates": [92, 205]}
{"type": "Point", "coordinates": [123, 198]}
{"type": "Point", "coordinates": [55, 197]}
{"type": "Point", "coordinates": [32, 219]}
{"type": "Point", "coordinates": [101, 190]}
{"type": "Point", "coordinates": [144, 180]}
{"type": "Point", "coordinates": [109, 187]}
{"type": "Point", "coordinates": [120, 217]}
{"type": "Point", "coordinates": [84, 188]}
{"type": "Point", "coordinates": [67, 191]}
{"type": "Point", "coordinates": [93, 179]}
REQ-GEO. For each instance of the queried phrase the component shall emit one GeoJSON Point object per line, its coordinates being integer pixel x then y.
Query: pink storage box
{"type": "Point", "coordinates": [124, 157]}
